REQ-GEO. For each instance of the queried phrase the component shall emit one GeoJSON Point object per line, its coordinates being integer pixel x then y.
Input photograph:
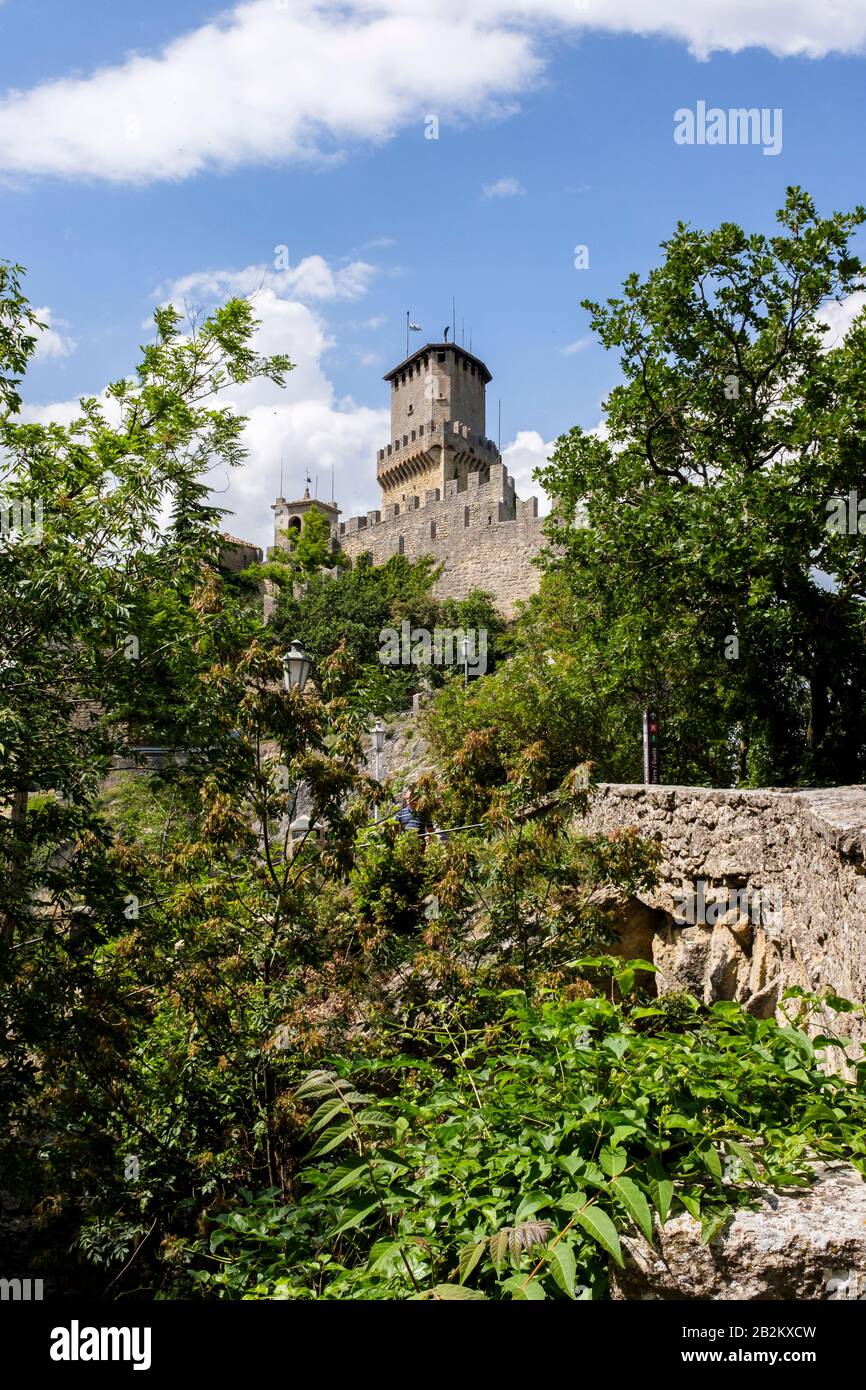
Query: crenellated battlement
{"type": "Point", "coordinates": [477, 500]}
{"type": "Point", "coordinates": [479, 530]}
{"type": "Point", "coordinates": [422, 437]}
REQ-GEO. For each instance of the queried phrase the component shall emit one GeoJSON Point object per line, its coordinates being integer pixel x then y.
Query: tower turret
{"type": "Point", "coordinates": [437, 423]}
{"type": "Point", "coordinates": [289, 516]}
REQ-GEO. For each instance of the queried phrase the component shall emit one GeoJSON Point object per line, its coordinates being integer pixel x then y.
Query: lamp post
{"type": "Point", "coordinates": [378, 735]}
{"type": "Point", "coordinates": [296, 668]}
{"type": "Point", "coordinates": [464, 647]}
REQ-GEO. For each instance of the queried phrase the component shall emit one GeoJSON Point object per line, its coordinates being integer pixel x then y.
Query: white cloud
{"type": "Point", "coordinates": [266, 84]}
{"type": "Point", "coordinates": [526, 452]}
{"type": "Point", "coordinates": [571, 348]}
{"type": "Point", "coordinates": [51, 341]}
{"type": "Point", "coordinates": [304, 425]}
{"type": "Point", "coordinates": [313, 278]}
{"type": "Point", "coordinates": [839, 316]}
{"type": "Point", "coordinates": [503, 188]}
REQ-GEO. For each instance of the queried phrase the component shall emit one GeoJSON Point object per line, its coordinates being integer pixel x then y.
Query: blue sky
{"type": "Point", "coordinates": [167, 151]}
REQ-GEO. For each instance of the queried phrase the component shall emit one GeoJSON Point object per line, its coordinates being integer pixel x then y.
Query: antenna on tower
{"type": "Point", "coordinates": [332, 482]}
{"type": "Point", "coordinates": [453, 321]}
{"type": "Point", "coordinates": [316, 493]}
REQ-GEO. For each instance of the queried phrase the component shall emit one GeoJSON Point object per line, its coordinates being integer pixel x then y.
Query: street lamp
{"type": "Point", "coordinates": [296, 668]}
{"type": "Point", "coordinates": [464, 647]}
{"type": "Point", "coordinates": [378, 735]}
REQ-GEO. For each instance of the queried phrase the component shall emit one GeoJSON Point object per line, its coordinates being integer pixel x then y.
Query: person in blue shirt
{"type": "Point", "coordinates": [408, 817]}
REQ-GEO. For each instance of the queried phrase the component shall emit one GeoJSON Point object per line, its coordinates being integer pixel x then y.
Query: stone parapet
{"type": "Point", "coordinates": [480, 532]}
{"type": "Point", "coordinates": [803, 851]}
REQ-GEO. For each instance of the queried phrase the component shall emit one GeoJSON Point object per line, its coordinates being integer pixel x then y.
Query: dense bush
{"type": "Point", "coordinates": [506, 1162]}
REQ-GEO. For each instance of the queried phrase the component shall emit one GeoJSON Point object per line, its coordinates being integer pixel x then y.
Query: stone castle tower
{"type": "Point", "coordinates": [289, 516]}
{"type": "Point", "coordinates": [445, 490]}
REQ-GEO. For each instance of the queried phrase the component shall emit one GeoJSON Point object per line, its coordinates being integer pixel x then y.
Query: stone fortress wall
{"type": "Point", "coordinates": [482, 533]}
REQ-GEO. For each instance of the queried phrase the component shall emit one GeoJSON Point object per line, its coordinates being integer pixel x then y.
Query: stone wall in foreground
{"type": "Point", "coordinates": [804, 851]}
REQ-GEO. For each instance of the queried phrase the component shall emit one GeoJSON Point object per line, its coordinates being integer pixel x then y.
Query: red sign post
{"type": "Point", "coordinates": [651, 758]}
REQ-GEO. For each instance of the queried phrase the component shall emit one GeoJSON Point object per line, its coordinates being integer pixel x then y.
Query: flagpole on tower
{"type": "Point", "coordinates": [410, 328]}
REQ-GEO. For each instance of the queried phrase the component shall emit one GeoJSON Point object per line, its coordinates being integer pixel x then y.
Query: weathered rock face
{"type": "Point", "coordinates": [759, 890]}
{"type": "Point", "coordinates": [798, 1244]}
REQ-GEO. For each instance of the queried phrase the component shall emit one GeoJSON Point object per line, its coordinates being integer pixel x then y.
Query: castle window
{"type": "Point", "coordinates": [472, 368]}
{"type": "Point", "coordinates": [389, 448]}
{"type": "Point", "coordinates": [405, 440]}
{"type": "Point", "coordinates": [426, 360]}
{"type": "Point", "coordinates": [411, 410]}
{"type": "Point", "coordinates": [401, 545]}
{"type": "Point", "coordinates": [432, 530]}
{"type": "Point", "coordinates": [413, 434]}
{"type": "Point", "coordinates": [465, 516]}
{"type": "Point", "coordinates": [440, 357]}
{"type": "Point", "coordinates": [420, 429]}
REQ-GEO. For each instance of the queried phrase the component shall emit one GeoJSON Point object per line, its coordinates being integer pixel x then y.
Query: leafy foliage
{"type": "Point", "coordinates": [359, 605]}
{"type": "Point", "coordinates": [511, 1161]}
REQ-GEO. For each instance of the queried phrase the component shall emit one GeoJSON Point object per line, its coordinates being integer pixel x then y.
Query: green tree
{"type": "Point", "coordinates": [706, 580]}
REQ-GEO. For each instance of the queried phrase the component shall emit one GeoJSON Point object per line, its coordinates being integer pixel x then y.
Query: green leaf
{"type": "Point", "coordinates": [499, 1247]}
{"type": "Point", "coordinates": [661, 1189]}
{"type": "Point", "coordinates": [713, 1223]}
{"type": "Point", "coordinates": [331, 1139]}
{"type": "Point", "coordinates": [742, 1153]}
{"type": "Point", "coordinates": [354, 1218]}
{"type": "Point", "coordinates": [710, 1156]}
{"type": "Point", "coordinates": [451, 1293]}
{"type": "Point", "coordinates": [635, 1203]}
{"type": "Point", "coordinates": [521, 1291]}
{"type": "Point", "coordinates": [468, 1258]}
{"type": "Point", "coordinates": [613, 1161]}
{"type": "Point", "coordinates": [571, 1201]}
{"type": "Point", "coordinates": [602, 1229]}
{"type": "Point", "coordinates": [530, 1205]}
{"type": "Point", "coordinates": [675, 1121]}
{"type": "Point", "coordinates": [562, 1265]}
{"type": "Point", "coordinates": [347, 1177]}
